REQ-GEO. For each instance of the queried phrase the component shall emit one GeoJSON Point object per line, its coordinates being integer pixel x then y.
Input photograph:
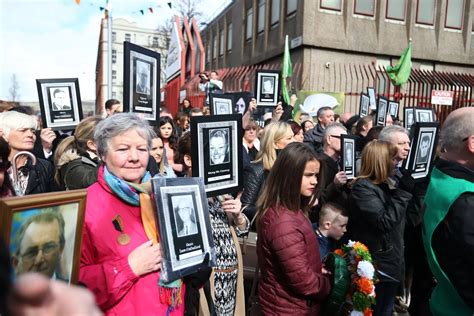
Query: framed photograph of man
{"type": "Point", "coordinates": [372, 98]}
{"type": "Point", "coordinates": [267, 87]}
{"type": "Point", "coordinates": [423, 149]}
{"type": "Point", "coordinates": [221, 104]}
{"type": "Point", "coordinates": [185, 228]}
{"type": "Point", "coordinates": [382, 107]}
{"type": "Point", "coordinates": [44, 233]}
{"type": "Point", "coordinates": [364, 108]}
{"type": "Point", "coordinates": [393, 108]}
{"type": "Point", "coordinates": [408, 117]}
{"type": "Point", "coordinates": [217, 152]}
{"type": "Point", "coordinates": [424, 115]}
{"type": "Point", "coordinates": [60, 103]}
{"type": "Point", "coordinates": [348, 155]}
{"type": "Point", "coordinates": [141, 82]}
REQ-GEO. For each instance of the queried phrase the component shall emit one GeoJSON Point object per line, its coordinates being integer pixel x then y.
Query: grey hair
{"type": "Point", "coordinates": [118, 124]}
{"type": "Point", "coordinates": [15, 120]}
{"type": "Point", "coordinates": [455, 129]}
{"type": "Point", "coordinates": [388, 131]}
{"type": "Point", "coordinates": [332, 127]}
{"type": "Point", "coordinates": [322, 110]}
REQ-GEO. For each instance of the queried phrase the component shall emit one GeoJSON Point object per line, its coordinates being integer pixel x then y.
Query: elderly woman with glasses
{"type": "Point", "coordinates": [33, 175]}
{"type": "Point", "coordinates": [121, 259]}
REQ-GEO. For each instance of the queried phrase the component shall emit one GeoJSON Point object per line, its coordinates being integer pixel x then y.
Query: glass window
{"type": "Point", "coordinates": [208, 57]}
{"type": "Point", "coordinates": [425, 12]}
{"type": "Point", "coordinates": [454, 14]}
{"type": "Point", "coordinates": [396, 10]}
{"type": "Point", "coordinates": [128, 37]}
{"type": "Point", "coordinates": [291, 6]}
{"type": "Point", "coordinates": [155, 41]}
{"type": "Point", "coordinates": [114, 75]}
{"type": "Point", "coordinates": [221, 43]}
{"type": "Point", "coordinates": [114, 36]}
{"type": "Point", "coordinates": [275, 12]}
{"type": "Point", "coordinates": [335, 5]}
{"type": "Point", "coordinates": [114, 56]}
{"type": "Point", "coordinates": [248, 29]}
{"type": "Point", "coordinates": [214, 50]}
{"type": "Point", "coordinates": [229, 37]}
{"type": "Point", "coordinates": [261, 16]}
{"type": "Point", "coordinates": [364, 7]}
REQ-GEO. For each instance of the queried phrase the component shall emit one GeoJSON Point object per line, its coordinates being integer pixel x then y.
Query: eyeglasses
{"type": "Point", "coordinates": [31, 253]}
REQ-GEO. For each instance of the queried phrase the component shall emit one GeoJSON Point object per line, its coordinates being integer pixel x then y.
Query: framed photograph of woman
{"type": "Point", "coordinates": [44, 233]}
{"type": "Point", "coordinates": [393, 108]}
{"type": "Point", "coordinates": [348, 155]}
{"type": "Point", "coordinates": [60, 103]}
{"type": "Point", "coordinates": [185, 228]}
{"type": "Point", "coordinates": [217, 152]}
{"type": "Point", "coordinates": [141, 82]}
{"type": "Point", "coordinates": [408, 117]}
{"type": "Point", "coordinates": [221, 104]}
{"type": "Point", "coordinates": [267, 87]}
{"type": "Point", "coordinates": [424, 115]}
{"type": "Point", "coordinates": [364, 108]}
{"type": "Point", "coordinates": [382, 107]}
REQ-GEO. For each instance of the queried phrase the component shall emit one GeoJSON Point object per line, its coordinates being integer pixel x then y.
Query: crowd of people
{"type": "Point", "coordinates": [295, 195]}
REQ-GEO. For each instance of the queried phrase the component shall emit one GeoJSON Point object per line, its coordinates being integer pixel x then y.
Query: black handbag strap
{"type": "Point", "coordinates": [210, 302]}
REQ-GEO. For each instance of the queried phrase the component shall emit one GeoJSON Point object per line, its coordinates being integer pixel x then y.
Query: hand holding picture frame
{"type": "Point", "coordinates": [267, 87]}
{"type": "Point", "coordinates": [348, 155]}
{"type": "Point", "coordinates": [44, 233]}
{"type": "Point", "coordinates": [184, 226]}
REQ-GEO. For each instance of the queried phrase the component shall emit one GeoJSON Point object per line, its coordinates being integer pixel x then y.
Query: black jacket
{"type": "Point", "coordinates": [77, 171]}
{"type": "Point", "coordinates": [315, 137]}
{"type": "Point", "coordinates": [254, 178]}
{"type": "Point", "coordinates": [453, 239]}
{"type": "Point", "coordinates": [377, 219]}
{"type": "Point", "coordinates": [40, 178]}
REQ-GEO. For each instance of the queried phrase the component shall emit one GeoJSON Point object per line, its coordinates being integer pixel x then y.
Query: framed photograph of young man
{"type": "Point", "coordinates": [423, 149]}
{"type": "Point", "coordinates": [60, 103]}
{"type": "Point", "coordinates": [44, 233]}
{"type": "Point", "coordinates": [184, 226]}
{"type": "Point", "coordinates": [382, 108]}
{"type": "Point", "coordinates": [364, 108]}
{"type": "Point", "coordinates": [424, 115]}
{"type": "Point", "coordinates": [348, 155]}
{"type": "Point", "coordinates": [393, 108]}
{"type": "Point", "coordinates": [408, 117]}
{"type": "Point", "coordinates": [221, 104]}
{"type": "Point", "coordinates": [141, 82]}
{"type": "Point", "coordinates": [372, 98]}
{"type": "Point", "coordinates": [217, 152]}
{"type": "Point", "coordinates": [267, 87]}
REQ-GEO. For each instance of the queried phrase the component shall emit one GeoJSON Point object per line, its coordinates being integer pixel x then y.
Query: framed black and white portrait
{"type": "Point", "coordinates": [382, 107]}
{"type": "Point", "coordinates": [221, 104]}
{"type": "Point", "coordinates": [424, 115]}
{"type": "Point", "coordinates": [408, 117]}
{"type": "Point", "coordinates": [267, 87]}
{"type": "Point", "coordinates": [241, 101]}
{"type": "Point", "coordinates": [372, 98]}
{"type": "Point", "coordinates": [184, 226]}
{"type": "Point", "coordinates": [423, 149]}
{"type": "Point", "coordinates": [141, 82]}
{"type": "Point", "coordinates": [364, 108]}
{"type": "Point", "coordinates": [348, 155]}
{"type": "Point", "coordinates": [393, 108]}
{"type": "Point", "coordinates": [217, 152]}
{"type": "Point", "coordinates": [60, 103]}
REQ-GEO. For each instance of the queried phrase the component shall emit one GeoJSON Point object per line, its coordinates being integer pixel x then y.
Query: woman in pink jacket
{"type": "Point", "coordinates": [120, 263]}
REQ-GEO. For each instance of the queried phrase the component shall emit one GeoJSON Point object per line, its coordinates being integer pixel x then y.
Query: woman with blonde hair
{"type": "Point", "coordinates": [76, 158]}
{"type": "Point", "coordinates": [275, 137]}
{"type": "Point", "coordinates": [377, 219]}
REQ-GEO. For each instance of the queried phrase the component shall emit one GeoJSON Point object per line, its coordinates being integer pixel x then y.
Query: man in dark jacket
{"type": "Point", "coordinates": [315, 136]}
{"type": "Point", "coordinates": [448, 221]}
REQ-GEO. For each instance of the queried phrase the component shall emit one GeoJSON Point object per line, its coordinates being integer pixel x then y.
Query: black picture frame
{"type": "Point", "coordinates": [221, 104]}
{"type": "Point", "coordinates": [372, 98]}
{"type": "Point", "coordinates": [393, 108]}
{"type": "Point", "coordinates": [217, 152]}
{"type": "Point", "coordinates": [424, 115]}
{"type": "Point", "coordinates": [424, 141]}
{"type": "Point", "coordinates": [364, 106]}
{"type": "Point", "coordinates": [188, 247]}
{"type": "Point", "coordinates": [382, 110]}
{"type": "Point", "coordinates": [241, 101]}
{"type": "Point", "coordinates": [60, 103]}
{"type": "Point", "coordinates": [348, 155]}
{"type": "Point", "coordinates": [408, 117]}
{"type": "Point", "coordinates": [267, 87]}
{"type": "Point", "coordinates": [141, 82]}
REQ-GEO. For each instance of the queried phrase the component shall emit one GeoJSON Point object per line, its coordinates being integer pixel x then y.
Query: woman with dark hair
{"type": "Point", "coordinates": [298, 134]}
{"type": "Point", "coordinates": [377, 219]}
{"type": "Point", "coordinates": [158, 153]}
{"type": "Point", "coordinates": [6, 189]}
{"type": "Point", "coordinates": [294, 281]}
{"type": "Point", "coordinates": [307, 125]}
{"type": "Point", "coordinates": [169, 137]}
{"type": "Point", "coordinates": [182, 123]}
{"type": "Point", "coordinates": [186, 106]}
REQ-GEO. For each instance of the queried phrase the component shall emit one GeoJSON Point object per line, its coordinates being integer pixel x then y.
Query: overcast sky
{"type": "Point", "coordinates": [42, 39]}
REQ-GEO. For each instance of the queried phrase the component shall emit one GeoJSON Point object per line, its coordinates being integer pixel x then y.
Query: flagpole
{"type": "Point", "coordinates": [109, 50]}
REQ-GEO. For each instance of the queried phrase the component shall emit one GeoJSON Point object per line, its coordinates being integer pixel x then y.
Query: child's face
{"type": "Point", "coordinates": [338, 227]}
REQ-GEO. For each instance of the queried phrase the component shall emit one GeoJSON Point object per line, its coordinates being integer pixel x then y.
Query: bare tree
{"type": "Point", "coordinates": [14, 88]}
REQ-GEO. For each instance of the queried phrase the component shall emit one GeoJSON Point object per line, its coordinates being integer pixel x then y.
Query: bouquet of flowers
{"type": "Point", "coordinates": [361, 294]}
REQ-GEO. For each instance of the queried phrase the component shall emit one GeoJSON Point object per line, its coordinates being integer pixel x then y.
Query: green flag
{"type": "Point", "coordinates": [400, 73]}
{"type": "Point", "coordinates": [287, 71]}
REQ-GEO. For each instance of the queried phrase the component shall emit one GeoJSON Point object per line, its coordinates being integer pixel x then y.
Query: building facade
{"type": "Point", "coordinates": [122, 30]}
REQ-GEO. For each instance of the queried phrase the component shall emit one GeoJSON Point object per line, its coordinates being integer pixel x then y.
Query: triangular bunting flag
{"type": "Point", "coordinates": [151, 10]}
